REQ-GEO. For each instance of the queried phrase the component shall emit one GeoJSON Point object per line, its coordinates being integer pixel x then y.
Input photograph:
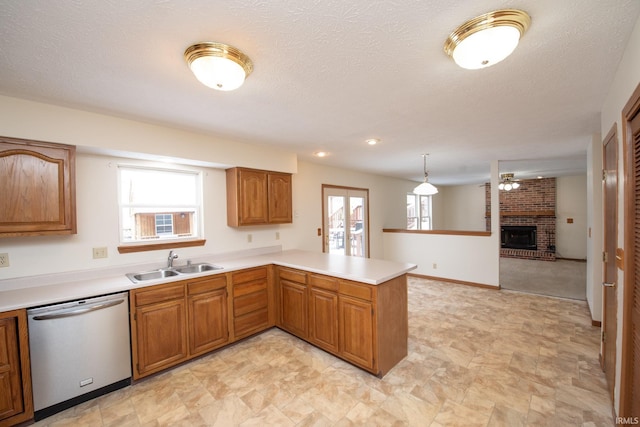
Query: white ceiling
{"type": "Point", "coordinates": [331, 73]}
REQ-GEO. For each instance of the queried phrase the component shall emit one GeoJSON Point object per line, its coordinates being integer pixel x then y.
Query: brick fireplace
{"type": "Point", "coordinates": [530, 207]}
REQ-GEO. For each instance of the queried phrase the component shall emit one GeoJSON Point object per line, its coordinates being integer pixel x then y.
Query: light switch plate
{"type": "Point", "coordinates": [4, 260]}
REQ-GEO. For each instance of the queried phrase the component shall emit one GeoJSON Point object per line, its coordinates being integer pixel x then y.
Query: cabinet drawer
{"type": "Point", "coordinates": [251, 322]}
{"type": "Point", "coordinates": [293, 275]}
{"type": "Point", "coordinates": [324, 282]}
{"type": "Point", "coordinates": [250, 302]}
{"type": "Point", "coordinates": [249, 275]}
{"type": "Point", "coordinates": [158, 294]}
{"type": "Point", "coordinates": [249, 288]}
{"type": "Point", "coordinates": [356, 290]}
{"type": "Point", "coordinates": [206, 285]}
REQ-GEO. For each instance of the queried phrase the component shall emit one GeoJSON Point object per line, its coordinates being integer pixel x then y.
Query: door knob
{"type": "Point", "coordinates": [609, 285]}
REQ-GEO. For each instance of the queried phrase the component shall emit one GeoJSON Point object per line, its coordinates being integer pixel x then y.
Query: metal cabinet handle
{"type": "Point", "coordinates": [609, 285]}
{"type": "Point", "coordinates": [79, 311]}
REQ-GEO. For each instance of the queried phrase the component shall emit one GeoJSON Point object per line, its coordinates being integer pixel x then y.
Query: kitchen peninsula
{"type": "Point", "coordinates": [353, 308]}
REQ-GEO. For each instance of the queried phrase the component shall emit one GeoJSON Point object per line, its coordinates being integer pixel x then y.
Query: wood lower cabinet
{"type": "Point", "coordinates": [251, 302]}
{"type": "Point", "coordinates": [364, 324]}
{"type": "Point", "coordinates": [159, 333]}
{"type": "Point", "coordinates": [293, 308]}
{"type": "Point", "coordinates": [175, 322]}
{"type": "Point", "coordinates": [293, 297]}
{"type": "Point", "coordinates": [208, 322]}
{"type": "Point", "coordinates": [16, 399]}
{"type": "Point", "coordinates": [323, 312]}
{"type": "Point", "coordinates": [38, 188]}
{"type": "Point", "coordinates": [356, 331]}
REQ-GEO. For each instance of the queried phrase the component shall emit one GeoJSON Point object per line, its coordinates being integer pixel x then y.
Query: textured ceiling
{"type": "Point", "coordinates": [331, 73]}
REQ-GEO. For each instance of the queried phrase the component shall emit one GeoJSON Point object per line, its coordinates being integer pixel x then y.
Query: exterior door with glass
{"type": "Point", "coordinates": [345, 220]}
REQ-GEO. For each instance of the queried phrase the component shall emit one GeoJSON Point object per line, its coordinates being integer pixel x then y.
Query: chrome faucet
{"type": "Point", "coordinates": [172, 256]}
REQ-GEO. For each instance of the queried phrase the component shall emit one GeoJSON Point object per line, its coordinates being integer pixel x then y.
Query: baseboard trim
{"type": "Point", "coordinates": [571, 259]}
{"type": "Point", "coordinates": [458, 282]}
{"type": "Point", "coordinates": [596, 323]}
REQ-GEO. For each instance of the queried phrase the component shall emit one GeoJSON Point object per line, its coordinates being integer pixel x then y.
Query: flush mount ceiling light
{"type": "Point", "coordinates": [218, 66]}
{"type": "Point", "coordinates": [507, 183]}
{"type": "Point", "coordinates": [487, 39]}
{"type": "Point", "coordinates": [372, 141]}
{"type": "Point", "coordinates": [425, 189]}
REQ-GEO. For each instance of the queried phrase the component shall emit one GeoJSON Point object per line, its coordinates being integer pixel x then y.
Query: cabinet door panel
{"type": "Point", "coordinates": [253, 197]}
{"type": "Point", "coordinates": [161, 334]}
{"type": "Point", "coordinates": [293, 308]}
{"type": "Point", "coordinates": [356, 331]}
{"type": "Point", "coordinates": [323, 319]}
{"type": "Point", "coordinates": [38, 183]}
{"type": "Point", "coordinates": [280, 201]}
{"type": "Point", "coordinates": [10, 380]}
{"type": "Point", "coordinates": [208, 321]}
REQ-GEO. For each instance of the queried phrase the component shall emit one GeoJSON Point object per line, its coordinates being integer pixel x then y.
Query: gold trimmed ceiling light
{"type": "Point", "coordinates": [487, 39]}
{"type": "Point", "coordinates": [218, 66]}
{"type": "Point", "coordinates": [426, 188]}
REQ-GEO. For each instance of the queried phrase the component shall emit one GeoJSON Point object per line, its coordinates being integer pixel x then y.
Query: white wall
{"type": "Point", "coordinates": [626, 79]}
{"type": "Point", "coordinates": [99, 133]}
{"type": "Point", "coordinates": [96, 191]}
{"type": "Point", "coordinates": [387, 203]}
{"type": "Point", "coordinates": [459, 207]}
{"type": "Point", "coordinates": [462, 258]}
{"type": "Point", "coordinates": [571, 202]}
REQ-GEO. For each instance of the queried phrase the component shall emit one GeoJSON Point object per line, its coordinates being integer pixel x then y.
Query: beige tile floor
{"type": "Point", "coordinates": [476, 358]}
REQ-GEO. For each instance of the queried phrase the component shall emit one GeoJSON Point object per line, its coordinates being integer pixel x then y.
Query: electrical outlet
{"type": "Point", "coordinates": [249, 238]}
{"type": "Point", "coordinates": [100, 252]}
{"type": "Point", "coordinates": [435, 266]}
{"type": "Point", "coordinates": [277, 235]}
{"type": "Point", "coordinates": [4, 260]}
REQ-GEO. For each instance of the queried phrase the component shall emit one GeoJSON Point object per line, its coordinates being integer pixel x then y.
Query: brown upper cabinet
{"type": "Point", "coordinates": [258, 197]}
{"type": "Point", "coordinates": [38, 188]}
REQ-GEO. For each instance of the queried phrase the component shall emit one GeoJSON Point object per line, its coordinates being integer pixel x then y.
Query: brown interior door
{"type": "Point", "coordinates": [610, 276]}
{"type": "Point", "coordinates": [632, 383]}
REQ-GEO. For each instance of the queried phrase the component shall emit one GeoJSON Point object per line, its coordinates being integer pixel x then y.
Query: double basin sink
{"type": "Point", "coordinates": [163, 273]}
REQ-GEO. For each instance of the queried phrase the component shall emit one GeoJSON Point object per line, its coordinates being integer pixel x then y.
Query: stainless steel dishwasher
{"type": "Point", "coordinates": [79, 350]}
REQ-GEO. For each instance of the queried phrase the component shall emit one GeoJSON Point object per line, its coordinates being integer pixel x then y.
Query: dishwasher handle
{"type": "Point", "coordinates": [79, 311]}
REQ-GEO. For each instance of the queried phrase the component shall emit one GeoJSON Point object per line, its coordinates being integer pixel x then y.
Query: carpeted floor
{"type": "Point", "coordinates": [561, 278]}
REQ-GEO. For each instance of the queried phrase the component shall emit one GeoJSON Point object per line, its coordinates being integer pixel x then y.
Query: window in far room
{"type": "Point", "coordinates": [418, 212]}
{"type": "Point", "coordinates": [159, 205]}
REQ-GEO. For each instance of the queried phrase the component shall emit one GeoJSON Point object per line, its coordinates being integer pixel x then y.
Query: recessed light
{"type": "Point", "coordinates": [540, 177]}
{"type": "Point", "coordinates": [321, 154]}
{"type": "Point", "coordinates": [372, 141]}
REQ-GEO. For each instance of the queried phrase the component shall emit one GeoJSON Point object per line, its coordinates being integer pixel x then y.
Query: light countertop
{"type": "Point", "coordinates": [34, 291]}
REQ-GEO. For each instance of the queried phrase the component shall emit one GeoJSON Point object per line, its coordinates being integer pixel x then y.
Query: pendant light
{"type": "Point", "coordinates": [426, 188]}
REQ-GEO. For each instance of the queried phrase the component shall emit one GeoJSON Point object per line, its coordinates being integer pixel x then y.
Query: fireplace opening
{"type": "Point", "coordinates": [519, 237]}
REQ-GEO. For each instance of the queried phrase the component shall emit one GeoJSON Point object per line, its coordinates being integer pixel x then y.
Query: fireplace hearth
{"type": "Point", "coordinates": [519, 237]}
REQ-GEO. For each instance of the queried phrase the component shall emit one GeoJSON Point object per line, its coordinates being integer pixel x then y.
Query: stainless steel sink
{"type": "Point", "coordinates": [163, 273]}
{"type": "Point", "coordinates": [196, 268]}
{"type": "Point", "coordinates": [151, 275]}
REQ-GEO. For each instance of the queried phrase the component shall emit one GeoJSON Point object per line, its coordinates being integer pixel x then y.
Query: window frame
{"type": "Point", "coordinates": [420, 216]}
{"type": "Point", "coordinates": [197, 239]}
